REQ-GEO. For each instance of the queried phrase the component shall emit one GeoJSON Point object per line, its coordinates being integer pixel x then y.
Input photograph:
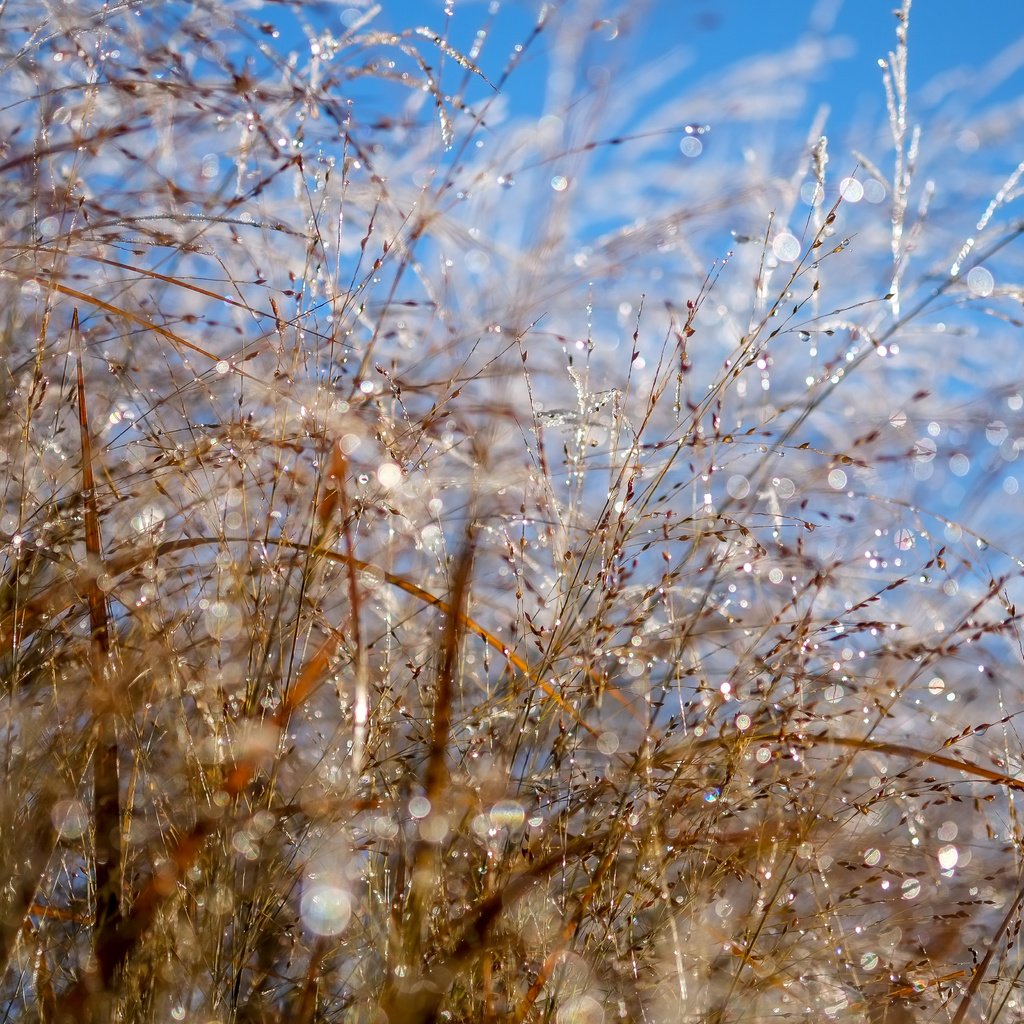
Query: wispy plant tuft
{"type": "Point", "coordinates": [464, 565]}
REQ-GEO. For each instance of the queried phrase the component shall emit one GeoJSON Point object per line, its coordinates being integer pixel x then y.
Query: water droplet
{"type": "Point", "coordinates": [996, 433]}
{"type": "Point", "coordinates": [925, 449]}
{"type": "Point", "coordinates": [738, 486]}
{"type": "Point", "coordinates": [980, 281]}
{"type": "Point", "coordinates": [326, 909]}
{"type": "Point", "coordinates": [904, 539]}
{"type": "Point", "coordinates": [786, 247]}
{"type": "Point", "coordinates": [70, 818]}
{"type": "Point", "coordinates": [691, 147]}
{"type": "Point", "coordinates": [507, 814]}
{"type": "Point", "coordinates": [389, 475]}
{"type": "Point", "coordinates": [150, 518]}
{"type": "Point", "coordinates": [910, 889]}
{"type": "Point", "coordinates": [851, 190]}
{"type": "Point", "coordinates": [419, 806]}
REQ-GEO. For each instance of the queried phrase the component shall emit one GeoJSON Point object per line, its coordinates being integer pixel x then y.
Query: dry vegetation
{"type": "Point", "coordinates": [440, 582]}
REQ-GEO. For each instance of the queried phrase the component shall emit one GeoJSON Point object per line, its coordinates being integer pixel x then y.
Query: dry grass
{"type": "Point", "coordinates": [440, 584]}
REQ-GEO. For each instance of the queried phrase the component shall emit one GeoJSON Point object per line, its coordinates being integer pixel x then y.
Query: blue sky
{"type": "Point", "coordinates": [950, 41]}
